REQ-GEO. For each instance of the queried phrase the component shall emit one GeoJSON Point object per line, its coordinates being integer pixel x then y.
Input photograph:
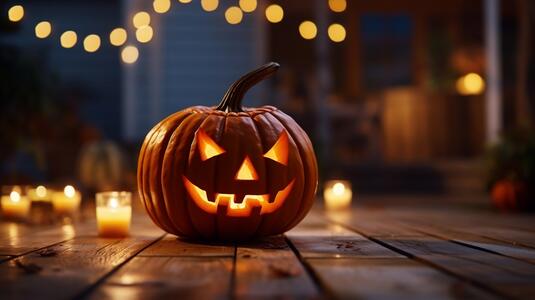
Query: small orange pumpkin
{"type": "Point", "coordinates": [509, 195]}
{"type": "Point", "coordinates": [228, 172]}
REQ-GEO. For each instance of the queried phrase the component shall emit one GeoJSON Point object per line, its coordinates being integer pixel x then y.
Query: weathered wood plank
{"type": "Point", "coordinates": [20, 239]}
{"type": "Point", "coordinates": [475, 240]}
{"type": "Point", "coordinates": [495, 272]}
{"type": "Point", "coordinates": [269, 268]}
{"type": "Point", "coordinates": [159, 277]}
{"type": "Point", "coordinates": [173, 246]}
{"type": "Point", "coordinates": [391, 278]}
{"type": "Point", "coordinates": [67, 269]}
{"type": "Point", "coordinates": [325, 240]}
{"type": "Point", "coordinates": [374, 224]}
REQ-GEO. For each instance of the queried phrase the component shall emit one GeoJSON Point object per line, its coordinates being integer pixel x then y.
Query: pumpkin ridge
{"type": "Point", "coordinates": [179, 136]}
{"type": "Point", "coordinates": [141, 169]}
{"type": "Point", "coordinates": [147, 196]}
{"type": "Point", "coordinates": [301, 195]}
{"type": "Point", "coordinates": [155, 157]}
{"type": "Point", "coordinates": [309, 166]}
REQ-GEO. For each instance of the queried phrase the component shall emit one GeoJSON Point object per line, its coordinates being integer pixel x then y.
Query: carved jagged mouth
{"type": "Point", "coordinates": [234, 207]}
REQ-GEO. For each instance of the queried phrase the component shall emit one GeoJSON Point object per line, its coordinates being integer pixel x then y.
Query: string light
{"type": "Point", "coordinates": [233, 15]}
{"type": "Point", "coordinates": [129, 54]}
{"type": "Point", "coordinates": [68, 39]}
{"type": "Point", "coordinates": [470, 84]}
{"type": "Point", "coordinates": [15, 13]}
{"type": "Point", "coordinates": [184, 1]}
{"type": "Point", "coordinates": [308, 30]}
{"type": "Point", "coordinates": [209, 5]}
{"type": "Point", "coordinates": [91, 43]}
{"type": "Point", "coordinates": [336, 32]}
{"type": "Point", "coordinates": [144, 34]}
{"type": "Point", "coordinates": [248, 5]}
{"type": "Point", "coordinates": [161, 6]}
{"type": "Point", "coordinates": [118, 36]}
{"type": "Point", "coordinates": [274, 13]}
{"type": "Point", "coordinates": [43, 29]}
{"type": "Point", "coordinates": [337, 5]}
{"type": "Point", "coordinates": [141, 19]}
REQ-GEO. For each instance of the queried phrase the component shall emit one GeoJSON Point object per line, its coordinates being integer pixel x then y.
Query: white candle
{"type": "Point", "coordinates": [114, 212]}
{"type": "Point", "coordinates": [337, 194]}
{"type": "Point", "coordinates": [66, 202]}
{"type": "Point", "coordinates": [15, 206]}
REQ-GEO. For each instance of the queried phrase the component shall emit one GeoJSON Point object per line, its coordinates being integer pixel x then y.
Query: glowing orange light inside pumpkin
{"type": "Point", "coordinates": [207, 147]}
{"type": "Point", "coordinates": [246, 171]}
{"type": "Point", "coordinates": [279, 151]}
{"type": "Point", "coordinates": [228, 201]}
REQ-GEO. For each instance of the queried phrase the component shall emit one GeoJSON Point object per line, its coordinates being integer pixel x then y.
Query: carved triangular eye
{"type": "Point", "coordinates": [279, 151]}
{"type": "Point", "coordinates": [207, 147]}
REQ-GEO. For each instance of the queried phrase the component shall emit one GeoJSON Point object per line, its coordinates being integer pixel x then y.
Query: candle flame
{"type": "Point", "coordinates": [14, 196]}
{"type": "Point", "coordinates": [114, 203]}
{"type": "Point", "coordinates": [40, 191]}
{"type": "Point", "coordinates": [339, 188]}
{"type": "Point", "coordinates": [69, 191]}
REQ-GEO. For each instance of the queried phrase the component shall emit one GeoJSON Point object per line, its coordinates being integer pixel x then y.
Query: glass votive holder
{"type": "Point", "coordinates": [66, 202]}
{"type": "Point", "coordinates": [15, 205]}
{"type": "Point", "coordinates": [38, 193]}
{"type": "Point", "coordinates": [114, 213]}
{"type": "Point", "coordinates": [337, 194]}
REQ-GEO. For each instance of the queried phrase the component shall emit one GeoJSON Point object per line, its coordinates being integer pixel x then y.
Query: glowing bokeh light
{"type": "Point", "coordinates": [248, 5]}
{"type": "Point", "coordinates": [336, 32]}
{"type": "Point", "coordinates": [337, 5]}
{"type": "Point", "coordinates": [43, 29]}
{"type": "Point", "coordinates": [141, 19]}
{"type": "Point", "coordinates": [308, 30]}
{"type": "Point", "coordinates": [209, 5]}
{"type": "Point", "coordinates": [274, 13]}
{"type": "Point", "coordinates": [233, 15]}
{"type": "Point", "coordinates": [161, 6]}
{"type": "Point", "coordinates": [91, 44]}
{"type": "Point", "coordinates": [67, 40]}
{"type": "Point", "coordinates": [15, 13]}
{"type": "Point", "coordinates": [118, 36]}
{"type": "Point", "coordinates": [129, 54]}
{"type": "Point", "coordinates": [144, 34]}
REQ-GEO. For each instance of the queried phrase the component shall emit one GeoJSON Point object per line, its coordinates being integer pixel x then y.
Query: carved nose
{"type": "Point", "coordinates": [246, 170]}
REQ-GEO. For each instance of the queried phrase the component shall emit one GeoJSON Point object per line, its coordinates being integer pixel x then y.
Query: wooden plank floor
{"type": "Point", "coordinates": [364, 253]}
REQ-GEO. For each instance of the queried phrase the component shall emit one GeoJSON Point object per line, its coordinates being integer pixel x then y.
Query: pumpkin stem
{"type": "Point", "coordinates": [231, 102]}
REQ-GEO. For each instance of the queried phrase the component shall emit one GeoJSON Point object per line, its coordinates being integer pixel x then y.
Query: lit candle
{"type": "Point", "coordinates": [15, 206]}
{"type": "Point", "coordinates": [337, 194]}
{"type": "Point", "coordinates": [114, 212]}
{"type": "Point", "coordinates": [66, 202]}
{"type": "Point", "coordinates": [39, 193]}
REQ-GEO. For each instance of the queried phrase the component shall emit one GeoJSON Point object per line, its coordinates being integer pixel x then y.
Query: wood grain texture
{"type": "Point", "coordinates": [324, 240]}
{"type": "Point", "coordinates": [392, 278]}
{"type": "Point", "coordinates": [20, 239]}
{"type": "Point", "coordinates": [510, 249]}
{"type": "Point", "coordinates": [169, 278]}
{"type": "Point", "coordinates": [269, 269]}
{"type": "Point", "coordinates": [67, 269]}
{"type": "Point", "coordinates": [173, 246]}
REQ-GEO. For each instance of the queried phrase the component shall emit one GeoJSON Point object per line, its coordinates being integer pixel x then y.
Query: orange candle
{"type": "Point", "coordinates": [66, 202]}
{"type": "Point", "coordinates": [15, 206]}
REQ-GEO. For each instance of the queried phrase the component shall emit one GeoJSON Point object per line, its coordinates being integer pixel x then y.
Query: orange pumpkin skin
{"type": "Point", "coordinates": [509, 195]}
{"type": "Point", "coordinates": [171, 167]}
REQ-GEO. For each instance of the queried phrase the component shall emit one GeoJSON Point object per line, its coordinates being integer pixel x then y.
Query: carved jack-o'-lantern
{"type": "Point", "coordinates": [228, 172]}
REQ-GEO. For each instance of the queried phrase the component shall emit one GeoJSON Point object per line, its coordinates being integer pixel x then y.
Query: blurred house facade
{"type": "Point", "coordinates": [382, 107]}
